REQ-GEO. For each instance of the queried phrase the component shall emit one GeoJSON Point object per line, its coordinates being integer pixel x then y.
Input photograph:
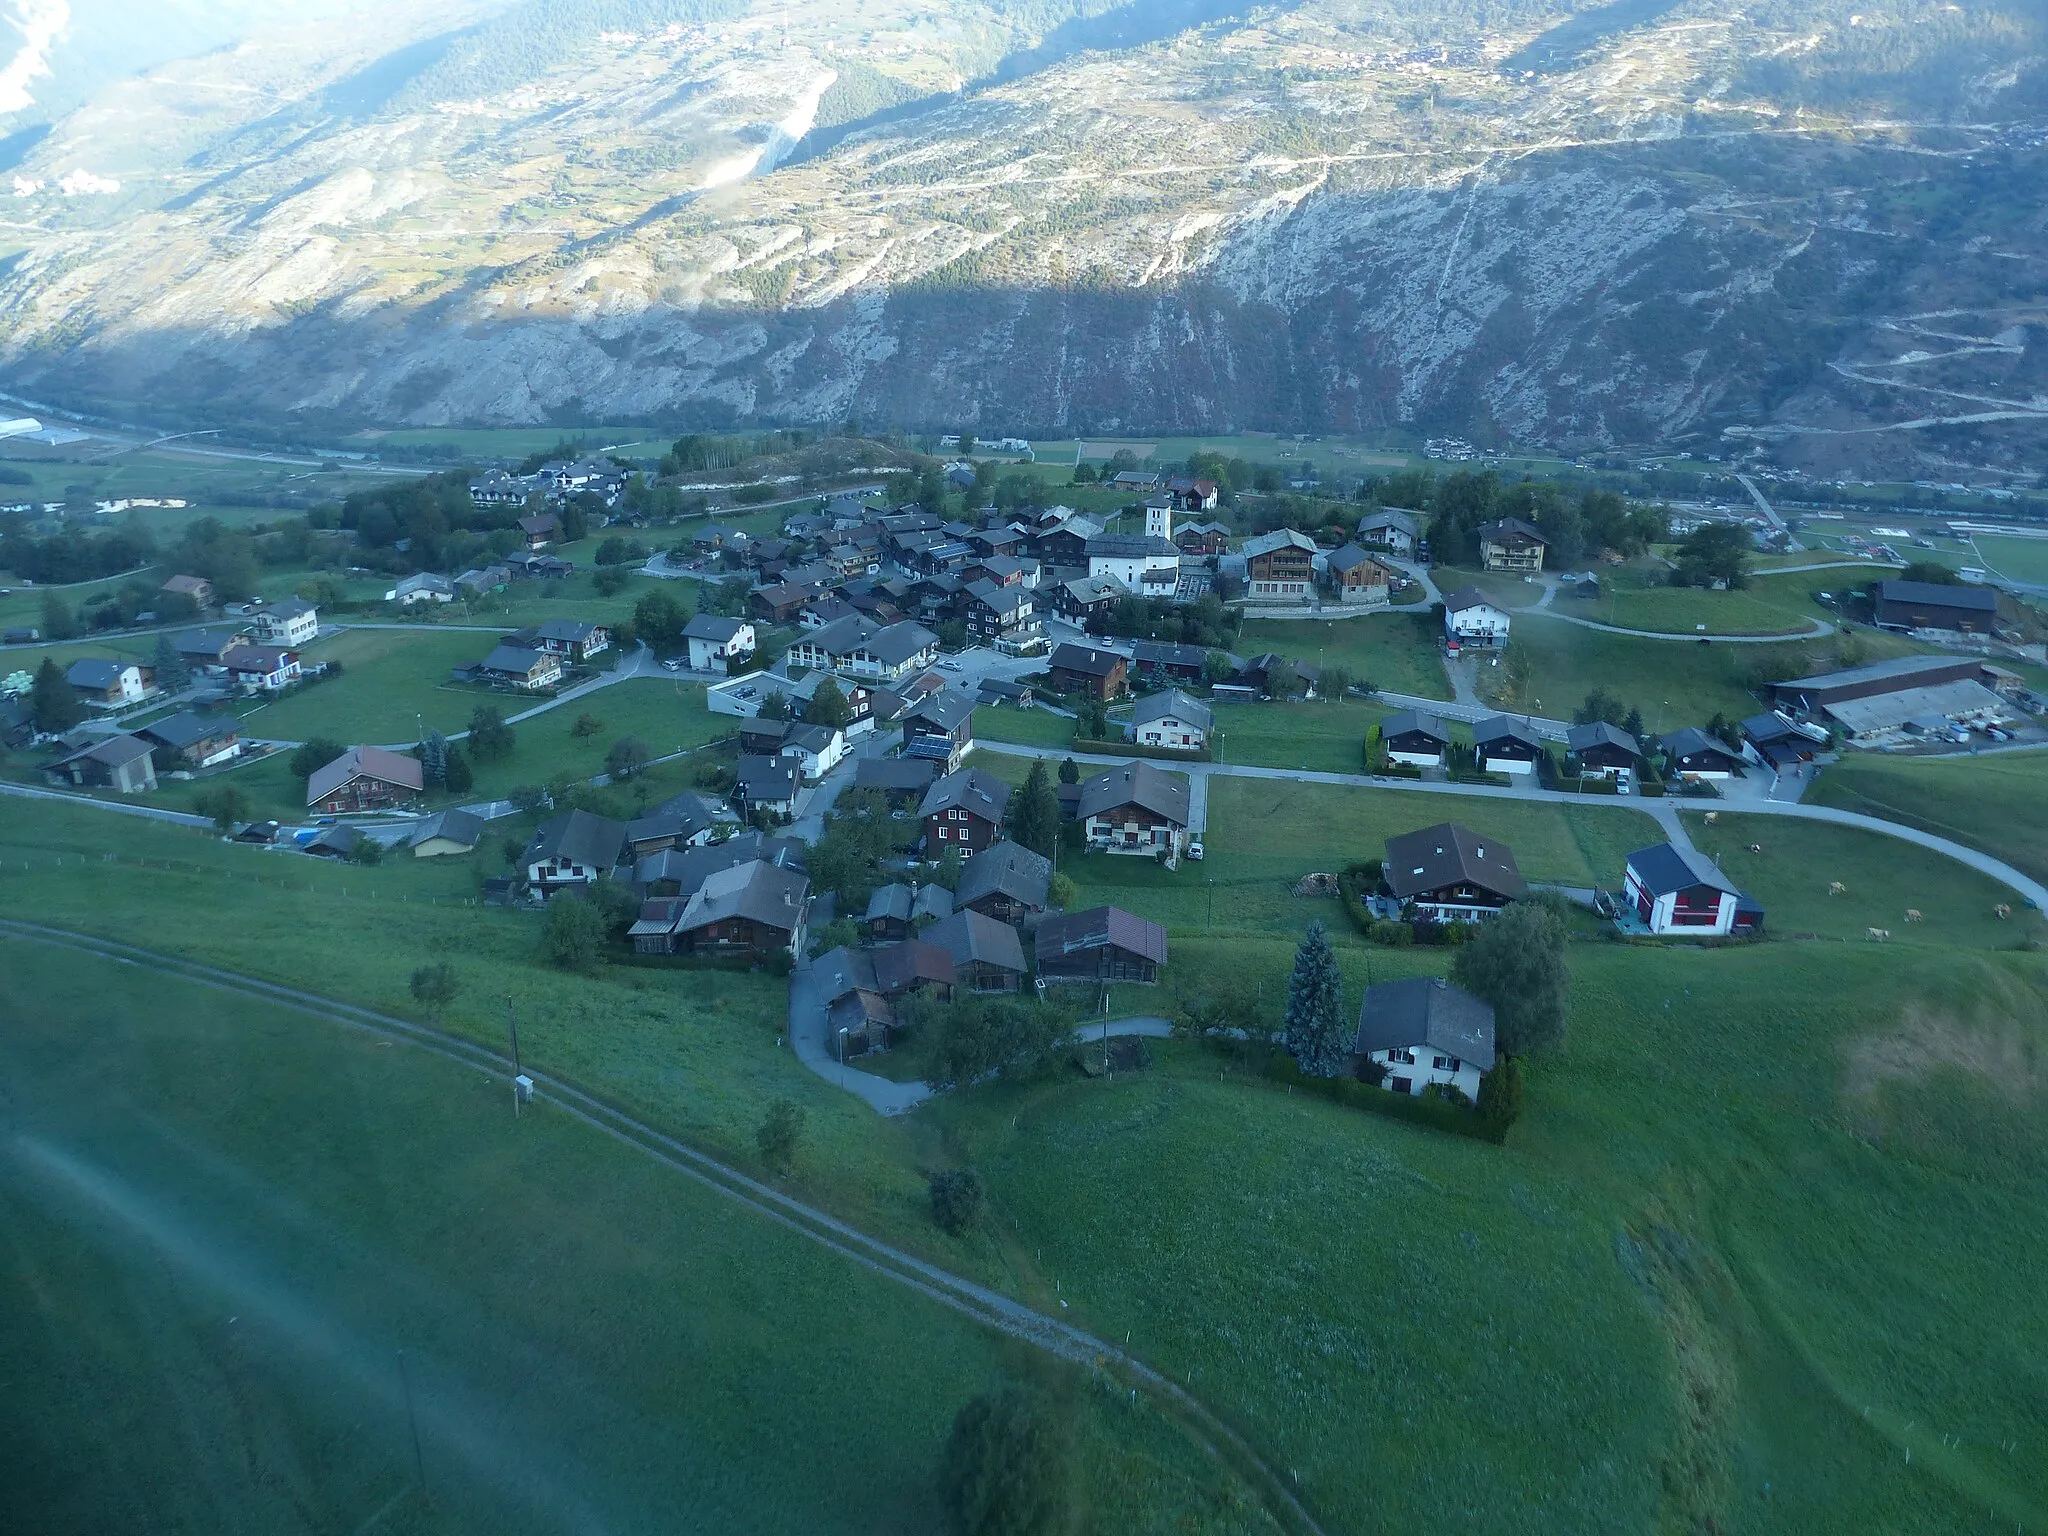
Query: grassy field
{"type": "Point", "coordinates": [1031, 727]}
{"type": "Point", "coordinates": [1991, 802]}
{"type": "Point", "coordinates": [212, 1284]}
{"type": "Point", "coordinates": [1751, 1289]}
{"type": "Point", "coordinates": [1672, 683]}
{"type": "Point", "coordinates": [1399, 652]}
{"type": "Point", "coordinates": [392, 681]}
{"type": "Point", "coordinates": [2015, 559]}
{"type": "Point", "coordinates": [1884, 876]}
{"type": "Point", "coordinates": [1770, 605]}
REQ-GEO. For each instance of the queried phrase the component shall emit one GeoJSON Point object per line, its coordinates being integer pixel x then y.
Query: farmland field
{"type": "Point", "coordinates": [212, 1288]}
{"type": "Point", "coordinates": [1770, 605]}
{"type": "Point", "coordinates": [392, 681]}
{"type": "Point", "coordinates": [2015, 559]}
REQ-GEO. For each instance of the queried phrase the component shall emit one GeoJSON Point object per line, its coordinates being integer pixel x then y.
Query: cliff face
{"type": "Point", "coordinates": [1321, 221]}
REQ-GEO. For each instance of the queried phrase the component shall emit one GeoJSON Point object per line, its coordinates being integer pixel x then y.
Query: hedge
{"type": "Point", "coordinates": [1108, 747]}
{"type": "Point", "coordinates": [1279, 1067]}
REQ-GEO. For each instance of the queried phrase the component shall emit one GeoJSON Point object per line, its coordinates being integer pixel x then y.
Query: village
{"type": "Point", "coordinates": [865, 663]}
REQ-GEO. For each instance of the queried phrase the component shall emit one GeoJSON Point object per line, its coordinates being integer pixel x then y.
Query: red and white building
{"type": "Point", "coordinates": [1680, 891]}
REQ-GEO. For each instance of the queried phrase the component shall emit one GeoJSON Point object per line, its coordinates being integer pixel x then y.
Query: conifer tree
{"type": "Point", "coordinates": [1035, 812]}
{"type": "Point", "coordinates": [173, 675]}
{"type": "Point", "coordinates": [1314, 1024]}
{"type": "Point", "coordinates": [52, 701]}
{"type": "Point", "coordinates": [434, 758]}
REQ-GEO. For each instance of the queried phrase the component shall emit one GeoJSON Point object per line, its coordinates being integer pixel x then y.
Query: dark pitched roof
{"type": "Point", "coordinates": [1512, 527]}
{"type": "Point", "coordinates": [1415, 721]}
{"type": "Point", "coordinates": [512, 658]}
{"type": "Point", "coordinates": [769, 778]}
{"type": "Point", "coordinates": [1181, 706]}
{"type": "Point", "coordinates": [1599, 733]}
{"type": "Point", "coordinates": [1504, 728]}
{"type": "Point", "coordinates": [1099, 926]}
{"type": "Point", "coordinates": [946, 710]}
{"type": "Point", "coordinates": [1162, 793]}
{"type": "Point", "coordinates": [374, 762]}
{"type": "Point", "coordinates": [1088, 660]}
{"type": "Point", "coordinates": [185, 729]}
{"type": "Point", "coordinates": [914, 960]}
{"type": "Point", "coordinates": [1007, 869]}
{"type": "Point", "coordinates": [573, 631]}
{"type": "Point", "coordinates": [679, 820]}
{"type": "Point", "coordinates": [709, 626]}
{"type": "Point", "coordinates": [1426, 1010]}
{"type": "Point", "coordinates": [1470, 597]}
{"type": "Point", "coordinates": [1937, 594]}
{"type": "Point", "coordinates": [758, 891]}
{"type": "Point", "coordinates": [113, 751]}
{"type": "Point", "coordinates": [1448, 854]}
{"type": "Point", "coordinates": [454, 826]}
{"type": "Point", "coordinates": [1665, 868]}
{"type": "Point", "coordinates": [970, 789]}
{"type": "Point", "coordinates": [970, 937]}
{"type": "Point", "coordinates": [1690, 741]}
{"type": "Point", "coordinates": [581, 837]}
{"type": "Point", "coordinates": [95, 672]}
{"type": "Point", "coordinates": [897, 773]}
{"type": "Point", "coordinates": [1167, 653]}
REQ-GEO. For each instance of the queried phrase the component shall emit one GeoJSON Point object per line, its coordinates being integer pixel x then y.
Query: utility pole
{"type": "Point", "coordinates": [518, 1073]}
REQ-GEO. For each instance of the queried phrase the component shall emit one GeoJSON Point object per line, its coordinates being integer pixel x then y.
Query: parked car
{"type": "Point", "coordinates": [674, 663]}
{"type": "Point", "coordinates": [1195, 850]}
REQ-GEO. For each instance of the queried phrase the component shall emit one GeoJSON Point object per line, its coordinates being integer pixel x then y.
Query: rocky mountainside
{"type": "Point", "coordinates": [1794, 224]}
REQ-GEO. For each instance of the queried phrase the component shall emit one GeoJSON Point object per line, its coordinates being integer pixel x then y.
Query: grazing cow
{"type": "Point", "coordinates": [1912, 914]}
{"type": "Point", "coordinates": [1756, 847]}
{"type": "Point", "coordinates": [1880, 934]}
{"type": "Point", "coordinates": [1713, 817]}
{"type": "Point", "coordinates": [1836, 888]}
{"type": "Point", "coordinates": [2001, 911]}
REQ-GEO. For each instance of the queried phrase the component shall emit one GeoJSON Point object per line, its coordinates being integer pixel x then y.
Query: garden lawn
{"type": "Point", "coordinates": [1399, 652]}
{"type": "Point", "coordinates": [1315, 734]}
{"type": "Point", "coordinates": [1031, 727]}
{"type": "Point", "coordinates": [213, 1284]}
{"type": "Point", "coordinates": [668, 715]}
{"type": "Point", "coordinates": [1993, 801]}
{"type": "Point", "coordinates": [1884, 877]}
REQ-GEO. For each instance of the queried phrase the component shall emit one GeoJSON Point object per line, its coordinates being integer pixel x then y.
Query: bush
{"type": "Point", "coordinates": [956, 1199]}
{"type": "Point", "coordinates": [434, 987]}
{"type": "Point", "coordinates": [1393, 933]}
{"type": "Point", "coordinates": [610, 580]}
{"type": "Point", "coordinates": [780, 1131]}
{"type": "Point", "coordinates": [574, 934]}
{"type": "Point", "coordinates": [1500, 1094]}
{"type": "Point", "coordinates": [311, 756]}
{"type": "Point", "coordinates": [1009, 1467]}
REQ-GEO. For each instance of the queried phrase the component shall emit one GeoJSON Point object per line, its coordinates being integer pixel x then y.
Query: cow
{"type": "Point", "coordinates": [1756, 847]}
{"type": "Point", "coordinates": [1836, 888]}
{"type": "Point", "coordinates": [1912, 914]}
{"type": "Point", "coordinates": [1879, 935]}
{"type": "Point", "coordinates": [2001, 911]}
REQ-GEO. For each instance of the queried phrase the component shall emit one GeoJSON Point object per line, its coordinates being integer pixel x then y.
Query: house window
{"type": "Point", "coordinates": [1401, 1084]}
{"type": "Point", "coordinates": [1445, 1064]}
{"type": "Point", "coordinates": [1403, 1055]}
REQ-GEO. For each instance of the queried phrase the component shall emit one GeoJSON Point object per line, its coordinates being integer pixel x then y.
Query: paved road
{"type": "Point", "coordinates": [1815, 629]}
{"type": "Point", "coordinates": [807, 1036]}
{"type": "Point", "coordinates": [990, 1308]}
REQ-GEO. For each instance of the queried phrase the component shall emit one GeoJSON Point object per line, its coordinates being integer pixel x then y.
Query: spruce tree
{"type": "Point", "coordinates": [1035, 812]}
{"type": "Point", "coordinates": [1314, 1025]}
{"type": "Point", "coordinates": [434, 758]}
{"type": "Point", "coordinates": [52, 701]}
{"type": "Point", "coordinates": [1070, 771]}
{"type": "Point", "coordinates": [173, 674]}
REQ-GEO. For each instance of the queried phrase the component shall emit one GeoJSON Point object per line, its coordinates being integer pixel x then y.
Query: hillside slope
{"type": "Point", "coordinates": [1805, 225]}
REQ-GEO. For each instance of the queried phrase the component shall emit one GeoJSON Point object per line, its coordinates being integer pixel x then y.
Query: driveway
{"type": "Point", "coordinates": [807, 1037]}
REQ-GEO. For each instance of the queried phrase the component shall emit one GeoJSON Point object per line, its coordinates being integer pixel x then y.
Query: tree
{"type": "Point", "coordinates": [1500, 1094]}
{"type": "Point", "coordinates": [1600, 705]}
{"type": "Point", "coordinates": [775, 706]}
{"type": "Point", "coordinates": [434, 758]}
{"type": "Point", "coordinates": [956, 1199]}
{"type": "Point", "coordinates": [53, 701]}
{"type": "Point", "coordinates": [457, 775]}
{"type": "Point", "coordinates": [1517, 963]}
{"type": "Point", "coordinates": [367, 852]}
{"type": "Point", "coordinates": [948, 874]}
{"type": "Point", "coordinates": [952, 635]}
{"type": "Point", "coordinates": [490, 738]}
{"type": "Point", "coordinates": [778, 1134]}
{"type": "Point", "coordinates": [586, 724]}
{"type": "Point", "coordinates": [530, 799]}
{"type": "Point", "coordinates": [1062, 892]}
{"type": "Point", "coordinates": [1334, 684]}
{"type": "Point", "coordinates": [1713, 552]}
{"type": "Point", "coordinates": [1035, 812]}
{"type": "Point", "coordinates": [610, 580]}
{"type": "Point", "coordinates": [434, 987]}
{"type": "Point", "coordinates": [1070, 771]}
{"type": "Point", "coordinates": [1314, 1023]}
{"type": "Point", "coordinates": [223, 804]}
{"type": "Point", "coordinates": [1217, 667]}
{"type": "Point", "coordinates": [1633, 724]}
{"type": "Point", "coordinates": [311, 756]}
{"type": "Point", "coordinates": [658, 618]}
{"type": "Point", "coordinates": [828, 706]}
{"type": "Point", "coordinates": [173, 675]}
{"type": "Point", "coordinates": [574, 933]}
{"type": "Point", "coordinates": [59, 621]}
{"type": "Point", "coordinates": [628, 755]}
{"type": "Point", "coordinates": [1930, 572]}
{"type": "Point", "coordinates": [1009, 1467]}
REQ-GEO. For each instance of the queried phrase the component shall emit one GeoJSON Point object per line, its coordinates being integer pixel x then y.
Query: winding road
{"type": "Point", "coordinates": [990, 1308]}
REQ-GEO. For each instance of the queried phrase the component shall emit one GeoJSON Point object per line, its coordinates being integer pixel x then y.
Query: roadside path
{"type": "Point", "coordinates": [1815, 629]}
{"type": "Point", "coordinates": [990, 1308]}
{"type": "Point", "coordinates": [123, 807]}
